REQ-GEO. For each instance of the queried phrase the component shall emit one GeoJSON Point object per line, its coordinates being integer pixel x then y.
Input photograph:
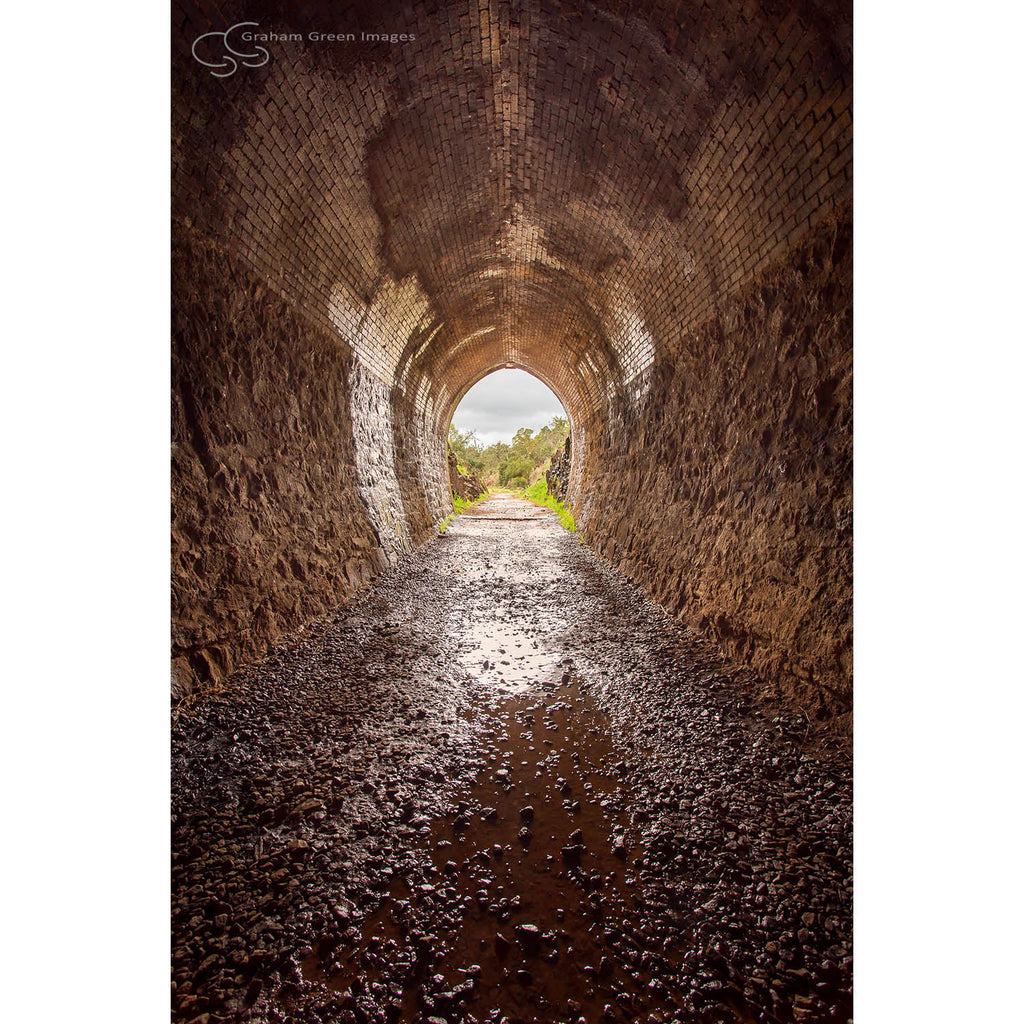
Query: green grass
{"type": "Point", "coordinates": [460, 505]}
{"type": "Point", "coordinates": [539, 493]}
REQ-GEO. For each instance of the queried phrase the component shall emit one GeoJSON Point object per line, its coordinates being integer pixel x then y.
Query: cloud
{"type": "Point", "coordinates": [496, 407]}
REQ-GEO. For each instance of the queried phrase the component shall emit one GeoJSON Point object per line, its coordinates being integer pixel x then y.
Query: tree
{"type": "Point", "coordinates": [515, 472]}
{"type": "Point", "coordinates": [466, 446]}
{"type": "Point", "coordinates": [514, 464]}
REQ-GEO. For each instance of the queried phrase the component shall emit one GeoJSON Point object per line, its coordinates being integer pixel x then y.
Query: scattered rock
{"type": "Point", "coordinates": [327, 810]}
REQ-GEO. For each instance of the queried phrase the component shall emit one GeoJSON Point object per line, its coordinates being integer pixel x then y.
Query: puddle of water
{"type": "Point", "coordinates": [533, 883]}
{"type": "Point", "coordinates": [506, 661]}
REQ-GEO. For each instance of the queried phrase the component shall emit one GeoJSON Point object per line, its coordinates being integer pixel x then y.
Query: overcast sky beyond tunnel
{"type": "Point", "coordinates": [497, 406]}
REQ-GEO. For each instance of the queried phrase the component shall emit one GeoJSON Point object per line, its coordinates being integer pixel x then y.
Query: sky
{"type": "Point", "coordinates": [497, 406]}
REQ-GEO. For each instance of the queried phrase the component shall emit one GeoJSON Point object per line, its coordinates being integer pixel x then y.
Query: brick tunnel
{"type": "Point", "coordinates": [649, 208]}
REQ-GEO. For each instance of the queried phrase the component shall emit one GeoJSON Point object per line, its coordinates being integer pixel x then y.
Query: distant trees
{"type": "Point", "coordinates": [509, 465]}
{"type": "Point", "coordinates": [466, 446]}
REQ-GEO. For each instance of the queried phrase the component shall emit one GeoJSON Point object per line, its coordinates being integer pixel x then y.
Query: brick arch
{"type": "Point", "coordinates": [645, 205]}
{"type": "Point", "coordinates": [453, 368]}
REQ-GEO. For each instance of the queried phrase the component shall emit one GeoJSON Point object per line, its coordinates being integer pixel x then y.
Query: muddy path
{"type": "Point", "coordinates": [503, 785]}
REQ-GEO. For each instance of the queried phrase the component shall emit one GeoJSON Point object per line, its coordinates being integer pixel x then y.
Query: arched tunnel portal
{"type": "Point", "coordinates": [649, 208]}
{"type": "Point", "coordinates": [571, 410]}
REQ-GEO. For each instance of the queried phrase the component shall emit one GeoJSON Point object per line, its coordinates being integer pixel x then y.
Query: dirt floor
{"type": "Point", "coordinates": [505, 786]}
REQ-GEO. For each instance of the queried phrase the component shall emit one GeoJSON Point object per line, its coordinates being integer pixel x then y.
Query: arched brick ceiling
{"type": "Point", "coordinates": [565, 187]}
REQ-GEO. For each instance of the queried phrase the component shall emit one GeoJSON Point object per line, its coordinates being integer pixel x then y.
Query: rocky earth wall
{"type": "Point", "coordinates": [271, 525]}
{"type": "Point", "coordinates": [559, 472]}
{"type": "Point", "coordinates": [466, 485]}
{"type": "Point", "coordinates": [727, 492]}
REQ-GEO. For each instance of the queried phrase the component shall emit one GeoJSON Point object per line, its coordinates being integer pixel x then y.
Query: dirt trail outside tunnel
{"type": "Point", "coordinates": [504, 785]}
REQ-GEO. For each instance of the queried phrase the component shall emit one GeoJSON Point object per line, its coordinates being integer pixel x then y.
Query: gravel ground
{"type": "Point", "coordinates": [505, 786]}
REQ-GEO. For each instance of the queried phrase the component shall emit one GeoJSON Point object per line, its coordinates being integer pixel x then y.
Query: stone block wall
{"type": "Point", "coordinates": [728, 493]}
{"type": "Point", "coordinates": [269, 526]}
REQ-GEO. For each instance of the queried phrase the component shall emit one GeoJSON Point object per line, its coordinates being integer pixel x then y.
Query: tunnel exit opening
{"type": "Point", "coordinates": [511, 430]}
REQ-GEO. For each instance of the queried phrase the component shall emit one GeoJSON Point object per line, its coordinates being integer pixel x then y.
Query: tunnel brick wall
{"type": "Point", "coordinates": [591, 192]}
{"type": "Point", "coordinates": [569, 167]}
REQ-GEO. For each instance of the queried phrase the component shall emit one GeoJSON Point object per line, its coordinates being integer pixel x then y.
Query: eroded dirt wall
{"type": "Point", "coordinates": [270, 523]}
{"type": "Point", "coordinates": [727, 491]}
